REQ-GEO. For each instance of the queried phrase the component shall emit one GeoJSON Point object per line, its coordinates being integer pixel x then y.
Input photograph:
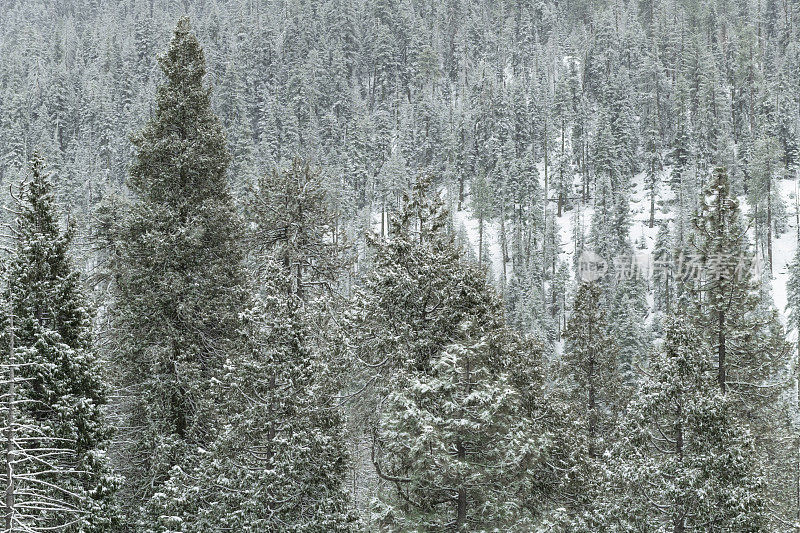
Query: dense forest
{"type": "Point", "coordinates": [400, 265]}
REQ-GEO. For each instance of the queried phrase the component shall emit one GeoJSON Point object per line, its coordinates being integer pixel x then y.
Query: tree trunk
{"type": "Point", "coordinates": [546, 164]}
{"type": "Point", "coordinates": [769, 220]}
{"type": "Point", "coordinates": [10, 456]}
{"type": "Point", "coordinates": [653, 200]}
{"type": "Point", "coordinates": [461, 506]}
{"type": "Point", "coordinates": [460, 190]}
{"type": "Point", "coordinates": [721, 351]}
{"type": "Point", "coordinates": [666, 290]}
{"type": "Point", "coordinates": [480, 240]}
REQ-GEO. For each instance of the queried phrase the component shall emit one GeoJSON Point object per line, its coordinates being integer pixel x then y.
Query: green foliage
{"type": "Point", "coordinates": [743, 332]}
{"type": "Point", "coordinates": [725, 297]}
{"type": "Point", "coordinates": [176, 266]}
{"type": "Point", "coordinates": [682, 460]}
{"type": "Point", "coordinates": [455, 432]}
{"type": "Point", "coordinates": [61, 477]}
{"type": "Point", "coordinates": [498, 95]}
{"type": "Point", "coordinates": [279, 461]}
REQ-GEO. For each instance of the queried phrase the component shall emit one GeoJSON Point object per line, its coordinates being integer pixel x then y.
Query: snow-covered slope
{"type": "Point", "coordinates": [642, 236]}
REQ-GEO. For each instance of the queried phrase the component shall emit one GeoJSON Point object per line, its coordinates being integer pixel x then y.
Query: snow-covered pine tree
{"type": "Point", "coordinates": [591, 394]}
{"type": "Point", "coordinates": [793, 403]}
{"type": "Point", "coordinates": [681, 151]}
{"type": "Point", "coordinates": [57, 476]}
{"type": "Point", "coordinates": [683, 462]}
{"type": "Point", "coordinates": [279, 461]}
{"type": "Point", "coordinates": [652, 159]}
{"type": "Point", "coordinates": [524, 295]}
{"type": "Point", "coordinates": [293, 222]}
{"type": "Point", "coordinates": [482, 202]}
{"type": "Point", "coordinates": [179, 284]}
{"type": "Point", "coordinates": [663, 259]}
{"type": "Point", "coordinates": [457, 444]}
{"type": "Point", "coordinates": [623, 286]}
{"type": "Point", "coordinates": [769, 212]}
{"type": "Point", "coordinates": [748, 342]}
{"type": "Point", "coordinates": [793, 297]}
{"type": "Point", "coordinates": [604, 159]}
{"type": "Point", "coordinates": [628, 308]}
{"type": "Point", "coordinates": [725, 296]}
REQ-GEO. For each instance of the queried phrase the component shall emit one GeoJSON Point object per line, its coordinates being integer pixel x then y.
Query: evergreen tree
{"type": "Point", "coordinates": [725, 295]}
{"type": "Point", "coordinates": [176, 267]}
{"type": "Point", "coordinates": [482, 203]}
{"type": "Point", "coordinates": [764, 196]}
{"type": "Point", "coordinates": [681, 153]}
{"type": "Point", "coordinates": [591, 365]}
{"type": "Point", "coordinates": [743, 332]}
{"type": "Point", "coordinates": [652, 158]}
{"type": "Point", "coordinates": [628, 307]}
{"type": "Point", "coordinates": [57, 476]}
{"type": "Point", "coordinates": [683, 462]}
{"type": "Point", "coordinates": [793, 296]}
{"type": "Point", "coordinates": [663, 260]}
{"type": "Point", "coordinates": [292, 221]}
{"type": "Point", "coordinates": [592, 395]}
{"type": "Point", "coordinates": [282, 432]}
{"type": "Point", "coordinates": [605, 160]}
{"type": "Point", "coordinates": [279, 461]}
{"type": "Point", "coordinates": [453, 434]}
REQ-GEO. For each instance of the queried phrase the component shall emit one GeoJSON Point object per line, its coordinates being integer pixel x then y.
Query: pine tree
{"type": "Point", "coordinates": [282, 432]}
{"type": "Point", "coordinates": [292, 222]}
{"type": "Point", "coordinates": [652, 157]}
{"type": "Point", "coordinates": [764, 196]}
{"type": "Point", "coordinates": [604, 159]}
{"type": "Point", "coordinates": [683, 462]}
{"type": "Point", "coordinates": [791, 500]}
{"type": "Point", "coordinates": [591, 395]}
{"type": "Point", "coordinates": [744, 333]}
{"type": "Point", "coordinates": [681, 153]}
{"type": "Point", "coordinates": [725, 296]}
{"type": "Point", "coordinates": [482, 208]}
{"type": "Point", "coordinates": [454, 438]}
{"type": "Point", "coordinates": [628, 307]}
{"type": "Point", "coordinates": [176, 266]}
{"type": "Point", "coordinates": [663, 260]}
{"type": "Point", "coordinates": [793, 296]}
{"type": "Point", "coordinates": [591, 365]}
{"type": "Point", "coordinates": [279, 461]}
{"type": "Point", "coordinates": [57, 477]}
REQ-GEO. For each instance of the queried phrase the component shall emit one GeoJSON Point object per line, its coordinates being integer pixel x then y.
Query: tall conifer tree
{"type": "Point", "coordinates": [279, 460]}
{"type": "Point", "coordinates": [725, 294]}
{"type": "Point", "coordinates": [747, 340]}
{"type": "Point", "coordinates": [176, 264]}
{"type": "Point", "coordinates": [683, 462]}
{"type": "Point", "coordinates": [457, 397]}
{"type": "Point", "coordinates": [60, 478]}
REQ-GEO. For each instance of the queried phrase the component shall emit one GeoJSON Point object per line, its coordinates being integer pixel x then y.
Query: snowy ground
{"type": "Point", "coordinates": [784, 246]}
